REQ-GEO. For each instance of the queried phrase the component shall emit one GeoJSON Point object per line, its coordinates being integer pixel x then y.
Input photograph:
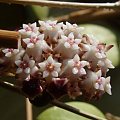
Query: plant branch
{"type": "Point", "coordinates": [87, 15]}
{"type": "Point", "coordinates": [9, 38]}
{"type": "Point", "coordinates": [55, 102]}
{"type": "Point", "coordinates": [64, 4]}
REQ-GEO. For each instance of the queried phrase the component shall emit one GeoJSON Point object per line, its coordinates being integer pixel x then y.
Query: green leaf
{"type": "Point", "coordinates": [106, 35]}
{"type": "Point", "coordinates": [55, 113]}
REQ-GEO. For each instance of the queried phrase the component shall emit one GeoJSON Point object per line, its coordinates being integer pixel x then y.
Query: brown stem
{"type": "Point", "coordinates": [9, 39]}
{"type": "Point", "coordinates": [88, 15]}
{"type": "Point", "coordinates": [64, 4]}
{"type": "Point", "coordinates": [17, 89]}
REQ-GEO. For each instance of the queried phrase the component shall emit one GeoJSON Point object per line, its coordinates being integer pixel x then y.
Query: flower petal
{"type": "Point", "coordinates": [54, 74]}
{"type": "Point", "coordinates": [18, 62]}
{"type": "Point", "coordinates": [30, 45]}
{"type": "Point", "coordinates": [77, 41]}
{"type": "Point", "coordinates": [26, 40]}
{"type": "Point", "coordinates": [82, 71]}
{"type": "Point", "coordinates": [99, 73]}
{"type": "Point", "coordinates": [45, 74]}
{"type": "Point", "coordinates": [75, 46]}
{"type": "Point", "coordinates": [76, 58]}
{"type": "Point", "coordinates": [71, 63]}
{"type": "Point", "coordinates": [27, 70]}
{"type": "Point", "coordinates": [50, 60]}
{"type": "Point", "coordinates": [96, 85]}
{"type": "Point", "coordinates": [8, 54]}
{"type": "Point", "coordinates": [74, 70]}
{"type": "Point", "coordinates": [19, 70]}
{"type": "Point", "coordinates": [67, 45]}
{"type": "Point", "coordinates": [71, 35]}
{"type": "Point", "coordinates": [31, 63]}
{"type": "Point", "coordinates": [42, 65]}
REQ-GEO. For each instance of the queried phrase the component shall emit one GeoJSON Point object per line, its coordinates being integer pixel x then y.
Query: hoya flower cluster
{"type": "Point", "coordinates": [58, 58]}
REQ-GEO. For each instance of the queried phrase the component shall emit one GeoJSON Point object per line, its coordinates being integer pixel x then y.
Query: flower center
{"type": "Point", "coordinates": [77, 64]}
{"type": "Point", "coordinates": [28, 29]}
{"type": "Point", "coordinates": [99, 81]}
{"type": "Point", "coordinates": [33, 40]}
{"type": "Point", "coordinates": [24, 65]}
{"type": "Point", "coordinates": [50, 67]}
{"type": "Point", "coordinates": [10, 50]}
{"type": "Point", "coordinates": [71, 41]}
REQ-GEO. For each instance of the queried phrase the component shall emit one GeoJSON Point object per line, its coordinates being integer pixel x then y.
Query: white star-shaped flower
{"type": "Point", "coordinates": [10, 52]}
{"type": "Point", "coordinates": [29, 28]}
{"type": "Point", "coordinates": [26, 65]}
{"type": "Point", "coordinates": [77, 65]}
{"type": "Point", "coordinates": [51, 29]}
{"type": "Point", "coordinates": [102, 83]}
{"type": "Point", "coordinates": [34, 40]}
{"type": "Point", "coordinates": [68, 28]}
{"type": "Point", "coordinates": [50, 67]}
{"type": "Point", "coordinates": [70, 42]}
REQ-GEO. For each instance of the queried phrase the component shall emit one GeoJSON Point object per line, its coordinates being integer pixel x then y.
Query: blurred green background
{"type": "Point", "coordinates": [12, 105]}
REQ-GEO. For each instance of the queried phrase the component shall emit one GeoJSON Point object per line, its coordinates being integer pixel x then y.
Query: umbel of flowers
{"type": "Point", "coordinates": [57, 58]}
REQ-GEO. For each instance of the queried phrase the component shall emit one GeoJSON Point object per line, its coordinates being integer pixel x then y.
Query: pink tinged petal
{"type": "Point", "coordinates": [109, 63]}
{"type": "Point", "coordinates": [8, 54]}
{"type": "Point", "coordinates": [25, 26]}
{"type": "Point", "coordinates": [108, 79]}
{"type": "Point", "coordinates": [98, 55]}
{"type": "Point", "coordinates": [50, 60]}
{"type": "Point", "coordinates": [31, 63]}
{"type": "Point", "coordinates": [41, 37]}
{"type": "Point", "coordinates": [41, 22]}
{"type": "Point", "coordinates": [30, 45]}
{"type": "Point", "coordinates": [33, 25]}
{"type": "Point", "coordinates": [27, 70]}
{"type": "Point", "coordinates": [63, 37]}
{"type": "Point", "coordinates": [101, 63]}
{"type": "Point", "coordinates": [108, 89]}
{"type": "Point", "coordinates": [34, 70]}
{"type": "Point", "coordinates": [76, 58]}
{"type": "Point", "coordinates": [84, 63]}
{"type": "Point", "coordinates": [99, 73]}
{"type": "Point", "coordinates": [22, 31]}
{"type": "Point", "coordinates": [54, 74]}
{"type": "Point", "coordinates": [103, 55]}
{"type": "Point", "coordinates": [77, 41]}
{"type": "Point", "coordinates": [26, 57]}
{"type": "Point", "coordinates": [96, 85]}
{"type": "Point", "coordinates": [101, 87]}
{"type": "Point", "coordinates": [67, 45]}
{"type": "Point", "coordinates": [33, 35]}
{"type": "Point", "coordinates": [42, 65]}
{"type": "Point", "coordinates": [71, 63]}
{"type": "Point", "coordinates": [19, 70]}
{"type": "Point", "coordinates": [15, 51]}
{"type": "Point", "coordinates": [82, 71]}
{"type": "Point", "coordinates": [71, 35]}
{"type": "Point", "coordinates": [45, 74]}
{"type": "Point", "coordinates": [57, 69]}
{"type": "Point", "coordinates": [75, 70]}
{"type": "Point", "coordinates": [26, 40]}
{"type": "Point", "coordinates": [5, 50]}
{"type": "Point", "coordinates": [18, 62]}
{"type": "Point", "coordinates": [57, 65]}
{"type": "Point", "coordinates": [75, 46]}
